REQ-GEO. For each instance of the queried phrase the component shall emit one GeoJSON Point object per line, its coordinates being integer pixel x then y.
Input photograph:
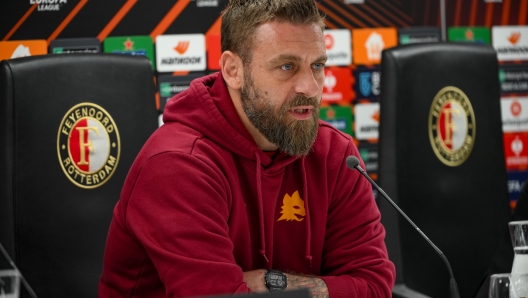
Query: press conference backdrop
{"type": "Point", "coordinates": [182, 40]}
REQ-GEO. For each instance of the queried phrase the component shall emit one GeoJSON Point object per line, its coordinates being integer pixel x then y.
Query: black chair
{"type": "Point", "coordinates": [441, 159]}
{"type": "Point", "coordinates": [71, 126]}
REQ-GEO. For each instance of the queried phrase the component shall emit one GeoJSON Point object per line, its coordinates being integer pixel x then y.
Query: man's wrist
{"type": "Point", "coordinates": [275, 280]}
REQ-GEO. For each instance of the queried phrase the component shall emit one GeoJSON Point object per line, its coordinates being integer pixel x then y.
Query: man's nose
{"type": "Point", "coordinates": [307, 84]}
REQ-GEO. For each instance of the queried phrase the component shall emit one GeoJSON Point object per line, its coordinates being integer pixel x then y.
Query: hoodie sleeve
{"type": "Point", "coordinates": [355, 260]}
{"type": "Point", "coordinates": [178, 209]}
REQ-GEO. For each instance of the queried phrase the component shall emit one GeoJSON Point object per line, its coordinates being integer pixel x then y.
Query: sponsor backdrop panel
{"type": "Point", "coordinates": [513, 78]}
{"type": "Point", "coordinates": [181, 39]}
{"type": "Point", "coordinates": [339, 117]}
{"type": "Point", "coordinates": [368, 85]}
{"type": "Point", "coordinates": [75, 45]}
{"type": "Point", "coordinates": [511, 42]}
{"type": "Point", "coordinates": [131, 45]}
{"type": "Point", "coordinates": [480, 35]}
{"type": "Point", "coordinates": [337, 87]}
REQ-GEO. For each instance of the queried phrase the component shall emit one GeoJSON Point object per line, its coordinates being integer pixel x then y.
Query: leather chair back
{"type": "Point", "coordinates": [441, 159]}
{"type": "Point", "coordinates": [71, 126]}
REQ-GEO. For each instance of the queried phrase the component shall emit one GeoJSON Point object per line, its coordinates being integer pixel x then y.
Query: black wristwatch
{"type": "Point", "coordinates": [275, 281]}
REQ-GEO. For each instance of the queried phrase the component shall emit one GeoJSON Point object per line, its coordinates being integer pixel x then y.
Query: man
{"type": "Point", "coordinates": [243, 178]}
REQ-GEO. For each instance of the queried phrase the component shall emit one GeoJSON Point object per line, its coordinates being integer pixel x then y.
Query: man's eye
{"type": "Point", "coordinates": [318, 66]}
{"type": "Point", "coordinates": [287, 67]}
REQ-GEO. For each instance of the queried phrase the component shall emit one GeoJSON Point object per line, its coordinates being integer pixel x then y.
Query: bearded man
{"type": "Point", "coordinates": [243, 189]}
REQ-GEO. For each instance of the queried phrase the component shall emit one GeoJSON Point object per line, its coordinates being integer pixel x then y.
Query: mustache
{"type": "Point", "coordinates": [301, 100]}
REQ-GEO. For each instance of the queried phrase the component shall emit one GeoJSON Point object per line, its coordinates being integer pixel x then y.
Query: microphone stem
{"type": "Point", "coordinates": [24, 282]}
{"type": "Point", "coordinates": [453, 286]}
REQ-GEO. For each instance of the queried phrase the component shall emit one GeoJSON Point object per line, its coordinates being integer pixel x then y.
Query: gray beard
{"type": "Point", "coordinates": [294, 137]}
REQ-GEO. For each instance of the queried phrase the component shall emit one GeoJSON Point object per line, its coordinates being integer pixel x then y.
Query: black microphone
{"type": "Point", "coordinates": [353, 163]}
{"type": "Point", "coordinates": [24, 282]}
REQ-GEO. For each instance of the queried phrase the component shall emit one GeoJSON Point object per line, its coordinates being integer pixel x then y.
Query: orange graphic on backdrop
{"type": "Point", "coordinates": [22, 48]}
{"type": "Point", "coordinates": [291, 207]}
{"type": "Point", "coordinates": [514, 37]}
{"type": "Point", "coordinates": [182, 47]}
{"type": "Point", "coordinates": [367, 44]}
{"type": "Point", "coordinates": [376, 116]}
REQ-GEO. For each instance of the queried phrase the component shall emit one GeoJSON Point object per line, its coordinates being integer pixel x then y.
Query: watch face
{"type": "Point", "coordinates": [275, 281]}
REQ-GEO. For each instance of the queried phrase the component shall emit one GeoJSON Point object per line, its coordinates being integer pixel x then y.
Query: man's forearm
{"type": "Point", "coordinates": [316, 286]}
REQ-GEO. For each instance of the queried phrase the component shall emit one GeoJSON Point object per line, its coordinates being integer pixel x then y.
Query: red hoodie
{"type": "Point", "coordinates": [202, 204]}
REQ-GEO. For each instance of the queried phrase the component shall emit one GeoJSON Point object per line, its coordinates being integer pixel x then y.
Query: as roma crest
{"type": "Point", "coordinates": [88, 145]}
{"type": "Point", "coordinates": [452, 126]}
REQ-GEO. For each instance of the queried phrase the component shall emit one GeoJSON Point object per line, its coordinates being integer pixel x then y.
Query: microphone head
{"type": "Point", "coordinates": [352, 162]}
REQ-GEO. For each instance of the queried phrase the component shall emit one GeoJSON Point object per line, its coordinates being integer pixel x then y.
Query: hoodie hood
{"type": "Point", "coordinates": [206, 107]}
{"type": "Point", "coordinates": [203, 107]}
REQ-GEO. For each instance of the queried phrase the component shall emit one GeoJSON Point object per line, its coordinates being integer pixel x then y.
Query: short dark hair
{"type": "Point", "coordinates": [241, 18]}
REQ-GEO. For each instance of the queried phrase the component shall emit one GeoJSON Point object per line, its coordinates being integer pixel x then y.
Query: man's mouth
{"type": "Point", "coordinates": [302, 112]}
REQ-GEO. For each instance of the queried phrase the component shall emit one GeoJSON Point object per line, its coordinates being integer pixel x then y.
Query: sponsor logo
{"type": "Point", "coordinates": [366, 116]}
{"type": "Point", "coordinates": [129, 44]}
{"type": "Point", "coordinates": [340, 124]}
{"type": "Point", "coordinates": [167, 89]}
{"type": "Point", "coordinates": [72, 51]}
{"type": "Point", "coordinates": [180, 52]}
{"type": "Point", "coordinates": [48, 5]}
{"type": "Point", "coordinates": [514, 38]}
{"type": "Point", "coordinates": [170, 85]}
{"type": "Point", "coordinates": [369, 43]}
{"type": "Point", "coordinates": [511, 42]}
{"type": "Point", "coordinates": [515, 151]}
{"type": "Point", "coordinates": [374, 45]}
{"type": "Point", "coordinates": [337, 85]}
{"type": "Point", "coordinates": [340, 117]}
{"type": "Point", "coordinates": [21, 51]}
{"type": "Point", "coordinates": [329, 41]}
{"type": "Point", "coordinates": [369, 155]}
{"type": "Point", "coordinates": [418, 35]}
{"type": "Point", "coordinates": [515, 108]}
{"type": "Point", "coordinates": [292, 207]}
{"type": "Point", "coordinates": [22, 48]}
{"type": "Point", "coordinates": [139, 45]}
{"type": "Point", "coordinates": [129, 49]}
{"type": "Point", "coordinates": [513, 78]}
{"type": "Point", "coordinates": [368, 83]}
{"type": "Point", "coordinates": [514, 112]}
{"type": "Point", "coordinates": [330, 81]}
{"type": "Point", "coordinates": [338, 47]}
{"type": "Point", "coordinates": [364, 83]}
{"type": "Point", "coordinates": [88, 145]}
{"type": "Point", "coordinates": [182, 47]}
{"type": "Point", "coordinates": [452, 126]}
{"type": "Point", "coordinates": [469, 34]}
{"type": "Point", "coordinates": [516, 180]}
{"type": "Point", "coordinates": [406, 39]}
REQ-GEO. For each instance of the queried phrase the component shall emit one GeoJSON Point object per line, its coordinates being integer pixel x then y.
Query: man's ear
{"type": "Point", "coordinates": [232, 70]}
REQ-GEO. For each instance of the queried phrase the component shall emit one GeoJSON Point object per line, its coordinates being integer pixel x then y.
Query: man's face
{"type": "Point", "coordinates": [283, 84]}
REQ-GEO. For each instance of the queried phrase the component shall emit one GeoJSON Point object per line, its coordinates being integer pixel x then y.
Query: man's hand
{"type": "Point", "coordinates": [255, 280]}
{"type": "Point", "coordinates": [316, 286]}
